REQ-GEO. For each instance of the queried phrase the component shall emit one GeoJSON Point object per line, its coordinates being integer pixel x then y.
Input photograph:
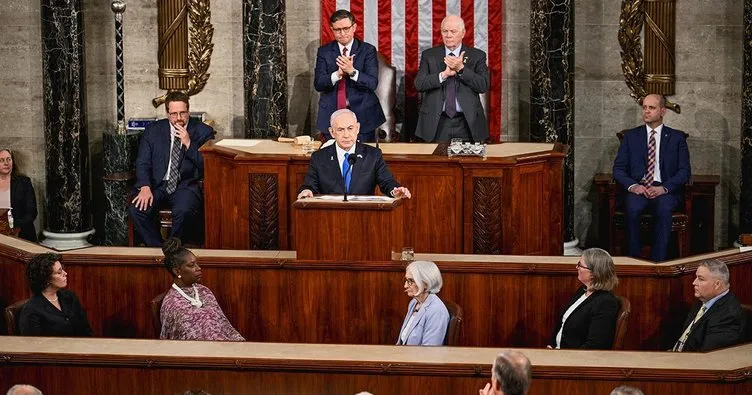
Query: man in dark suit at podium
{"type": "Point", "coordinates": [349, 165]}
{"type": "Point", "coordinates": [652, 165]}
{"type": "Point", "coordinates": [168, 169]}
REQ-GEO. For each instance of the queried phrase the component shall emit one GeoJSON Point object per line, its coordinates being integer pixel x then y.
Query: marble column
{"type": "Point", "coordinates": [745, 196]}
{"type": "Point", "coordinates": [68, 217]}
{"type": "Point", "coordinates": [120, 151]}
{"type": "Point", "coordinates": [264, 68]}
{"type": "Point", "coordinates": [552, 91]}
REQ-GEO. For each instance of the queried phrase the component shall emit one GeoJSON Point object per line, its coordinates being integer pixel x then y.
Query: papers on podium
{"type": "Point", "coordinates": [354, 198]}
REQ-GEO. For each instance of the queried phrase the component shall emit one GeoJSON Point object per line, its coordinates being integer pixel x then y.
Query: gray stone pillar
{"type": "Point", "coordinates": [552, 91]}
{"type": "Point", "coordinates": [264, 68]}
{"type": "Point", "coordinates": [68, 218]}
{"type": "Point", "coordinates": [745, 196]}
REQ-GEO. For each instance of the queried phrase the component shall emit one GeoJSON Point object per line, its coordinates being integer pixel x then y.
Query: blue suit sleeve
{"type": "Point", "coordinates": [368, 78]}
{"type": "Point", "coordinates": [203, 134]}
{"type": "Point", "coordinates": [621, 165]}
{"type": "Point", "coordinates": [684, 170]}
{"type": "Point", "coordinates": [323, 77]}
{"type": "Point", "coordinates": [384, 177]}
{"type": "Point", "coordinates": [143, 160]}
{"type": "Point", "coordinates": [311, 181]}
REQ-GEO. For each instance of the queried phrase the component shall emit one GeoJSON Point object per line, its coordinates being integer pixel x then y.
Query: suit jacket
{"type": "Point", "coordinates": [154, 154]}
{"type": "Point", "coordinates": [470, 84]}
{"type": "Point", "coordinates": [325, 176]}
{"type": "Point", "coordinates": [631, 162]}
{"type": "Point", "coordinates": [361, 93]}
{"type": "Point", "coordinates": [24, 204]}
{"type": "Point", "coordinates": [592, 324]}
{"type": "Point", "coordinates": [40, 318]}
{"type": "Point", "coordinates": [430, 324]}
{"type": "Point", "coordinates": [721, 326]}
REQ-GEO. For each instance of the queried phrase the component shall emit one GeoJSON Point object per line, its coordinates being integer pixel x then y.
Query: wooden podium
{"type": "Point", "coordinates": [364, 228]}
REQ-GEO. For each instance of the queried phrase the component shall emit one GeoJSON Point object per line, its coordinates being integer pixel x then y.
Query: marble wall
{"type": "Point", "coordinates": [708, 86]}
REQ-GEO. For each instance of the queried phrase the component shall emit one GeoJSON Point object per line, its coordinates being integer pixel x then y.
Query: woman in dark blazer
{"type": "Point", "coordinates": [23, 200]}
{"type": "Point", "coordinates": [589, 321]}
{"type": "Point", "coordinates": [53, 310]}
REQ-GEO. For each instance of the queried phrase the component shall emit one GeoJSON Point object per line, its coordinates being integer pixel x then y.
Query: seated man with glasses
{"type": "Point", "coordinates": [347, 74]}
{"type": "Point", "coordinates": [168, 170]}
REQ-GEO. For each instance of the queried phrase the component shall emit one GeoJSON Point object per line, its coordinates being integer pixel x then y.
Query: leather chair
{"type": "Point", "coordinates": [12, 313]}
{"type": "Point", "coordinates": [156, 308]}
{"type": "Point", "coordinates": [386, 91]}
{"type": "Point", "coordinates": [747, 309]}
{"type": "Point", "coordinates": [452, 337]}
{"type": "Point", "coordinates": [680, 223]}
{"type": "Point", "coordinates": [625, 310]}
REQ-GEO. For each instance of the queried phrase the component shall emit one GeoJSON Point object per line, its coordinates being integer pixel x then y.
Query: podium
{"type": "Point", "coordinates": [364, 228]}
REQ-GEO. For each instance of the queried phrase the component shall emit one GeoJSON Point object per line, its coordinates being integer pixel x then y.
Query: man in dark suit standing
{"type": "Point", "coordinates": [347, 74]}
{"type": "Point", "coordinates": [451, 78]}
{"type": "Point", "coordinates": [653, 166]}
{"type": "Point", "coordinates": [716, 322]}
{"type": "Point", "coordinates": [168, 169]}
{"type": "Point", "coordinates": [330, 169]}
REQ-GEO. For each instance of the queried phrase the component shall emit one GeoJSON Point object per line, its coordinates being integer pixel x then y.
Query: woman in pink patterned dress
{"type": "Point", "coordinates": [189, 310]}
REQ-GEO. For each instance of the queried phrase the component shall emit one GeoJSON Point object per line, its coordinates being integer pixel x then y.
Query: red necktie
{"type": "Point", "coordinates": [341, 88]}
{"type": "Point", "coordinates": [648, 179]}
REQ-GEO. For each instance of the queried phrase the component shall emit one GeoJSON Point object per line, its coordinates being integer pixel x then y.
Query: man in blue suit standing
{"type": "Point", "coordinates": [653, 166]}
{"type": "Point", "coordinates": [168, 169]}
{"type": "Point", "coordinates": [347, 74]}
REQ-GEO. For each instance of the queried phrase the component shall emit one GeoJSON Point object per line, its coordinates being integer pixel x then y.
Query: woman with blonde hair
{"type": "Point", "coordinates": [589, 321]}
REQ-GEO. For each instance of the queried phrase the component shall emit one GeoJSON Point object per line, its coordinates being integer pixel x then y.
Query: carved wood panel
{"type": "Point", "coordinates": [263, 212]}
{"type": "Point", "coordinates": [487, 215]}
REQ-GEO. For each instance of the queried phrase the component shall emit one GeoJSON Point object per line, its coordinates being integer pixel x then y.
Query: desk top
{"type": "Point", "coordinates": [78, 349]}
{"type": "Point", "coordinates": [270, 147]}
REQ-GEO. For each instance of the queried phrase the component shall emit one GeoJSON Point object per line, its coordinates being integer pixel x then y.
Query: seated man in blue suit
{"type": "Point", "coordinates": [328, 171]}
{"type": "Point", "coordinates": [347, 74]}
{"type": "Point", "coordinates": [653, 165]}
{"type": "Point", "coordinates": [168, 169]}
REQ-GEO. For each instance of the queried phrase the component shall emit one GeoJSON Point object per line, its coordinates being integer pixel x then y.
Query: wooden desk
{"type": "Point", "coordinates": [100, 366]}
{"type": "Point", "coordinates": [508, 203]}
{"type": "Point", "coordinates": [508, 301]}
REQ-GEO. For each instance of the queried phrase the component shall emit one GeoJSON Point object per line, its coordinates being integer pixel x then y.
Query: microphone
{"type": "Point", "coordinates": [351, 160]}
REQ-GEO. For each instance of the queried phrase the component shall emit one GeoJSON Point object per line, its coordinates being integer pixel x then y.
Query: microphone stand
{"type": "Point", "coordinates": [351, 160]}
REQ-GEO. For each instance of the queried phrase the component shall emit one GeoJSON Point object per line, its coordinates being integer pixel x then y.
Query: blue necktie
{"type": "Point", "coordinates": [345, 175]}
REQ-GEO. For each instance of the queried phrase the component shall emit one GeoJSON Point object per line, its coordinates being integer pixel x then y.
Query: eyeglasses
{"type": "Point", "coordinates": [409, 281]}
{"type": "Point", "coordinates": [342, 30]}
{"type": "Point", "coordinates": [6, 160]}
{"type": "Point", "coordinates": [581, 266]}
{"type": "Point", "coordinates": [178, 114]}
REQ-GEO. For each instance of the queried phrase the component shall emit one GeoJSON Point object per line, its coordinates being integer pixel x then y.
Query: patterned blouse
{"type": "Point", "coordinates": [183, 321]}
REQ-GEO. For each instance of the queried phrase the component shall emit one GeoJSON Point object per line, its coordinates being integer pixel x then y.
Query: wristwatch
{"type": "Point", "coordinates": [354, 72]}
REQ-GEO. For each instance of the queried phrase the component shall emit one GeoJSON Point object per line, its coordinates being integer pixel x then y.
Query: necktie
{"type": "Point", "coordinates": [683, 339]}
{"type": "Point", "coordinates": [172, 183]}
{"type": "Point", "coordinates": [342, 87]}
{"type": "Point", "coordinates": [346, 176]}
{"type": "Point", "coordinates": [450, 107]}
{"type": "Point", "coordinates": [648, 179]}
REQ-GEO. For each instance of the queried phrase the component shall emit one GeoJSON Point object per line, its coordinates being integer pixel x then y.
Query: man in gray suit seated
{"type": "Point", "coordinates": [452, 77]}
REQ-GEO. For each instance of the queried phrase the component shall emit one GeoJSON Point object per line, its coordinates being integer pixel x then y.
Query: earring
{"type": "Point", "coordinates": [179, 276]}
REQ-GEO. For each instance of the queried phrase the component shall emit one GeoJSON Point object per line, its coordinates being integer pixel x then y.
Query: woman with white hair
{"type": "Point", "coordinates": [427, 317]}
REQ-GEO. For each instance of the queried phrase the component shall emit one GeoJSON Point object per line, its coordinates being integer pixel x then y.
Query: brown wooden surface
{"type": "Point", "coordinates": [470, 205]}
{"type": "Point", "coordinates": [170, 367]}
{"type": "Point", "coordinates": [509, 302]}
{"type": "Point", "coordinates": [699, 205]}
{"type": "Point", "coordinates": [353, 231]}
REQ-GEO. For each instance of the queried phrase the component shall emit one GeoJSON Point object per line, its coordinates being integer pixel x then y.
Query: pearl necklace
{"type": "Point", "coordinates": [194, 301]}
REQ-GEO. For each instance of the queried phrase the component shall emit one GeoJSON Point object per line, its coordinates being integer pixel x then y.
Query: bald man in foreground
{"type": "Point", "coordinates": [452, 77]}
{"type": "Point", "coordinates": [510, 375]}
{"type": "Point", "coordinates": [23, 389]}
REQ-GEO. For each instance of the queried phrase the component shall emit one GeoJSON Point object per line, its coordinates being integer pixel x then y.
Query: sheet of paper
{"type": "Point", "coordinates": [238, 142]}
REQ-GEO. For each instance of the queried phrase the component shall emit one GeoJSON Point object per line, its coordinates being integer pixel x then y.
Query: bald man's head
{"type": "Point", "coordinates": [452, 31]}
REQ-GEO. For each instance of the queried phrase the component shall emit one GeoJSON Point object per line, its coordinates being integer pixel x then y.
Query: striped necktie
{"type": "Point", "coordinates": [648, 179]}
{"type": "Point", "coordinates": [683, 339]}
{"type": "Point", "coordinates": [172, 183]}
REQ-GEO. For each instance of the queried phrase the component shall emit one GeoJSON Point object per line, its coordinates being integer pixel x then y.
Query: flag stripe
{"type": "Point", "coordinates": [439, 12]}
{"type": "Point", "coordinates": [370, 25]}
{"type": "Point", "coordinates": [384, 43]}
{"type": "Point", "coordinates": [466, 14]}
{"type": "Point", "coordinates": [356, 7]}
{"type": "Point", "coordinates": [494, 62]}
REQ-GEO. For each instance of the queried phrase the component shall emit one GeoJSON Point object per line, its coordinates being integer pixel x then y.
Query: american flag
{"type": "Point", "coordinates": [402, 29]}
